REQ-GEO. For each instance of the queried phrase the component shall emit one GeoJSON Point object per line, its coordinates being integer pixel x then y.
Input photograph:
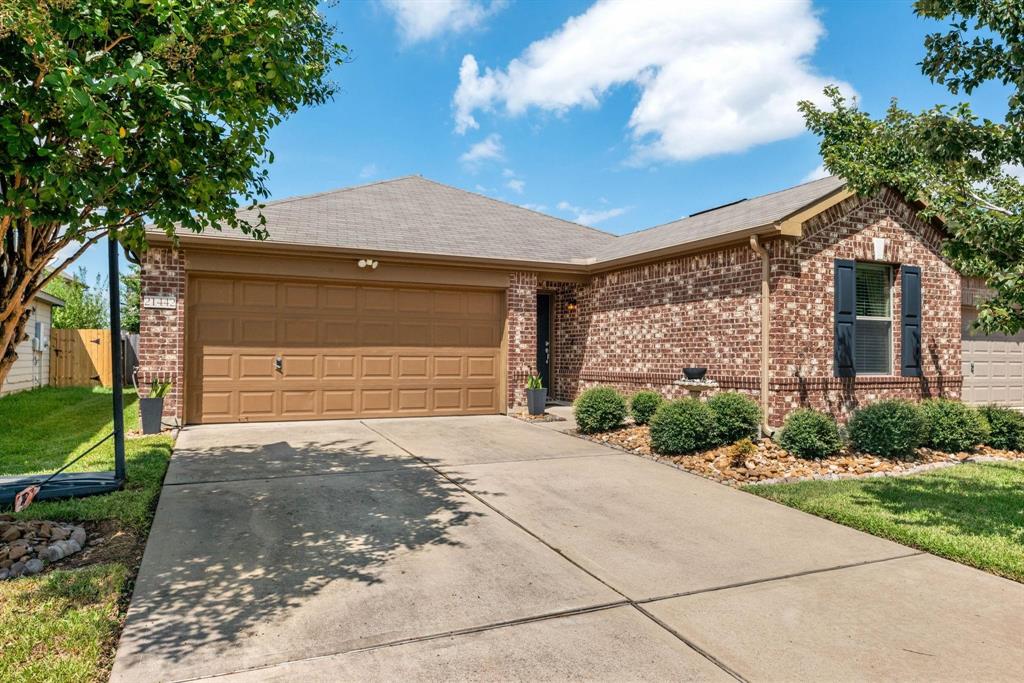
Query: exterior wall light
{"type": "Point", "coordinates": [368, 263]}
{"type": "Point", "coordinates": [570, 306]}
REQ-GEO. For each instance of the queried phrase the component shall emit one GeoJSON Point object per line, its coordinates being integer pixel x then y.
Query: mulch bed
{"type": "Point", "coordinates": [769, 463]}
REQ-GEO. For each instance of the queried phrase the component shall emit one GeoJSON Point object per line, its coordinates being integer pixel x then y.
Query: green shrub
{"type": "Point", "coordinates": [810, 434]}
{"type": "Point", "coordinates": [682, 426]}
{"type": "Point", "coordinates": [1006, 428]}
{"type": "Point", "coordinates": [953, 426]}
{"type": "Point", "coordinates": [643, 404]}
{"type": "Point", "coordinates": [600, 409]}
{"type": "Point", "coordinates": [737, 416]}
{"type": "Point", "coordinates": [889, 428]}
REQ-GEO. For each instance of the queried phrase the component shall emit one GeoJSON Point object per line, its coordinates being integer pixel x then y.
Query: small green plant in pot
{"type": "Point", "coordinates": [536, 395]}
{"type": "Point", "coordinates": [151, 408]}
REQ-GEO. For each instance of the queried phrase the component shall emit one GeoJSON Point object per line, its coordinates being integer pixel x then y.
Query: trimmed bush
{"type": "Point", "coordinates": [737, 416]}
{"type": "Point", "coordinates": [643, 404]}
{"type": "Point", "coordinates": [894, 427]}
{"type": "Point", "coordinates": [682, 426]}
{"type": "Point", "coordinates": [741, 450]}
{"type": "Point", "coordinates": [810, 434]}
{"type": "Point", "coordinates": [599, 409]}
{"type": "Point", "coordinates": [1006, 428]}
{"type": "Point", "coordinates": [953, 426]}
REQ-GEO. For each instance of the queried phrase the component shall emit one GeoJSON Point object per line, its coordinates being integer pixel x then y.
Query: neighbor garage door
{"type": "Point", "coordinates": [993, 365]}
{"type": "Point", "coordinates": [260, 350]}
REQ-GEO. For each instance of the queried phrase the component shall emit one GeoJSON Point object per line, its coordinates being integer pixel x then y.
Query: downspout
{"type": "Point", "coordinates": [765, 328]}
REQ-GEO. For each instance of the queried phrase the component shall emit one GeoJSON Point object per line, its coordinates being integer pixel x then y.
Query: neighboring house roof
{"type": "Point", "coordinates": [418, 216]}
{"type": "Point", "coordinates": [50, 299]}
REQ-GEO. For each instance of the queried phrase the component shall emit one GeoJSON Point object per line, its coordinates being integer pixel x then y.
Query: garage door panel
{"type": "Point", "coordinates": [258, 294]}
{"type": "Point", "coordinates": [346, 351]}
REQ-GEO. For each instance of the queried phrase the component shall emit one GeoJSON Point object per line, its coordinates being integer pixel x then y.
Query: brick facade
{"type": "Point", "coordinates": [521, 357]}
{"type": "Point", "coordinates": [803, 308]}
{"type": "Point", "coordinates": [638, 327]}
{"type": "Point", "coordinates": [162, 330]}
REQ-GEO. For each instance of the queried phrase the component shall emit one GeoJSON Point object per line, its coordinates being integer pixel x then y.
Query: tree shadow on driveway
{"type": "Point", "coordinates": [246, 560]}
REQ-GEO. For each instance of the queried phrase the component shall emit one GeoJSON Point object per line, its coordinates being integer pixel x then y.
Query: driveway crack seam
{"type": "Point", "coordinates": [782, 577]}
{"type": "Point", "coordinates": [707, 655]}
{"type": "Point", "coordinates": [419, 639]}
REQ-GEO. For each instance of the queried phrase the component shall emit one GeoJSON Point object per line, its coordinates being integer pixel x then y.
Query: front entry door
{"type": "Point", "coordinates": [544, 340]}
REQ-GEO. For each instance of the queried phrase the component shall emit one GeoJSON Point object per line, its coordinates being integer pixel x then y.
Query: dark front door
{"type": "Point", "coordinates": [544, 339]}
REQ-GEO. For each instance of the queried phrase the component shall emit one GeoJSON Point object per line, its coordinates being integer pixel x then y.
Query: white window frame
{"type": "Point", "coordinates": [888, 267]}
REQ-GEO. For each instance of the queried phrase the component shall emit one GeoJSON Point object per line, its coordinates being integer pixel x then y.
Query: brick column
{"type": "Point", "coordinates": [162, 330]}
{"type": "Point", "coordinates": [522, 334]}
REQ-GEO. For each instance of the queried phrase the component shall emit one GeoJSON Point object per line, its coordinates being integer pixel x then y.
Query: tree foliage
{"type": "Point", "coordinates": [117, 112]}
{"type": "Point", "coordinates": [85, 308]}
{"type": "Point", "coordinates": [958, 167]}
{"type": "Point", "coordinates": [131, 299]}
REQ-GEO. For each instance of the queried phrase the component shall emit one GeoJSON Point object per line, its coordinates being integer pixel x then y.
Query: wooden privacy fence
{"type": "Point", "coordinates": [80, 358]}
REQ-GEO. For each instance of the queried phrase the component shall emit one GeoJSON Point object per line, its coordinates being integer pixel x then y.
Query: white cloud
{"type": "Point", "coordinates": [420, 20]}
{"type": "Point", "coordinates": [590, 216]}
{"type": "Point", "coordinates": [488, 149]}
{"type": "Point", "coordinates": [713, 77]}
{"type": "Point", "coordinates": [818, 173]}
{"type": "Point", "coordinates": [535, 207]}
{"type": "Point", "coordinates": [1015, 171]}
{"type": "Point", "coordinates": [516, 185]}
{"type": "Point", "coordinates": [368, 171]}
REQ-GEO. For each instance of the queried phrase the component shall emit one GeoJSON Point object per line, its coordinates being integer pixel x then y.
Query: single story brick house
{"type": "Point", "coordinates": [409, 298]}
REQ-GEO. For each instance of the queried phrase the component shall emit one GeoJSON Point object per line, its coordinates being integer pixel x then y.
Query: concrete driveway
{"type": "Point", "coordinates": [486, 548]}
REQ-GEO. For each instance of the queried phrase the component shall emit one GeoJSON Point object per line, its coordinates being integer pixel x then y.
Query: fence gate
{"type": "Point", "coordinates": [80, 358]}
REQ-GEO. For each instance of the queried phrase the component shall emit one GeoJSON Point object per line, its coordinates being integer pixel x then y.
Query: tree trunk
{"type": "Point", "coordinates": [12, 330]}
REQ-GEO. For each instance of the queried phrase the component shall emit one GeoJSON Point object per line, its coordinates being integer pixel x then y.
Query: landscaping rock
{"type": "Point", "coordinates": [34, 544]}
{"type": "Point", "coordinates": [772, 464]}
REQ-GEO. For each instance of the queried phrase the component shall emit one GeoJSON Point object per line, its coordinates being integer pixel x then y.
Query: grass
{"type": "Point", "coordinates": [60, 626]}
{"type": "Point", "coordinates": [43, 429]}
{"type": "Point", "coordinates": [63, 625]}
{"type": "Point", "coordinates": [972, 513]}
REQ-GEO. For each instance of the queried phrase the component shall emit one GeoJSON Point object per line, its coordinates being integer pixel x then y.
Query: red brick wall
{"type": "Point", "coordinates": [637, 328]}
{"type": "Point", "coordinates": [162, 331]}
{"type": "Point", "coordinates": [521, 300]}
{"type": "Point", "coordinates": [803, 307]}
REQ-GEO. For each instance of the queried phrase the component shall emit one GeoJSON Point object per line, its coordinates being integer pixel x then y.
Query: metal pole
{"type": "Point", "coordinates": [115, 355]}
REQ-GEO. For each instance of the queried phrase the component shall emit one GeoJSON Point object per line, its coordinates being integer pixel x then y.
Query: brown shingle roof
{"type": "Point", "coordinates": [420, 216]}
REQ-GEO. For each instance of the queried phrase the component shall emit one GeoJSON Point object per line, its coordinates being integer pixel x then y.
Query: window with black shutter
{"type": "Point", "coordinates": [910, 321]}
{"type": "Point", "coordinates": [863, 319]}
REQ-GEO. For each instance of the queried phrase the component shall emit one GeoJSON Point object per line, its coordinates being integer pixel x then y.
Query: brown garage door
{"type": "Point", "coordinates": [993, 365]}
{"type": "Point", "coordinates": [261, 350]}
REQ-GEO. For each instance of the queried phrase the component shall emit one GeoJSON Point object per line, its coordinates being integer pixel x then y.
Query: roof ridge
{"type": "Point", "coordinates": [518, 206]}
{"type": "Point", "coordinates": [337, 190]}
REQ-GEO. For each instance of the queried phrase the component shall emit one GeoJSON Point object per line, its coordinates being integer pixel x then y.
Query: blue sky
{"type": "Point", "coordinates": [618, 117]}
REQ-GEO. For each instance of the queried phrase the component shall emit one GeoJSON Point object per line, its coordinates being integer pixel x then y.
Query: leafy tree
{"type": "Point", "coordinates": [85, 308]}
{"type": "Point", "coordinates": [131, 299]}
{"type": "Point", "coordinates": [118, 112]}
{"type": "Point", "coordinates": [958, 166]}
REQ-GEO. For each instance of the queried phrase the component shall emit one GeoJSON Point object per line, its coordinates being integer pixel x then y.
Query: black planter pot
{"type": "Point", "coordinates": [695, 373]}
{"type": "Point", "coordinates": [150, 412]}
{"type": "Point", "coordinates": [535, 400]}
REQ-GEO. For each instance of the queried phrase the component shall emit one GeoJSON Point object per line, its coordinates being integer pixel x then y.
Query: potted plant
{"type": "Point", "coordinates": [536, 395]}
{"type": "Point", "coordinates": [151, 408]}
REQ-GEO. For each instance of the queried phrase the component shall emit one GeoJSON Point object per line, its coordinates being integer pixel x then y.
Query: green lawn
{"type": "Point", "coordinates": [63, 626]}
{"type": "Point", "coordinates": [969, 513]}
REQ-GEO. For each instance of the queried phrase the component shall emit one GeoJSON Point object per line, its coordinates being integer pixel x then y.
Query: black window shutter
{"type": "Point", "coordinates": [845, 317]}
{"type": "Point", "coordinates": [910, 321]}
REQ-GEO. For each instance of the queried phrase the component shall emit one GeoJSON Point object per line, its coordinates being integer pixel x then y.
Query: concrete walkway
{"type": "Point", "coordinates": [487, 548]}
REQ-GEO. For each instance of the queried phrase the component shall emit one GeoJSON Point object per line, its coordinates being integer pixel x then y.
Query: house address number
{"type": "Point", "coordinates": [159, 302]}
